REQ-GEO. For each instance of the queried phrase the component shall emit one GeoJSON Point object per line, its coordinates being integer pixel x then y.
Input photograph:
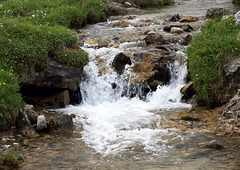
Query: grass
{"type": "Point", "coordinates": [208, 52]}
{"type": "Point", "coordinates": [9, 160]}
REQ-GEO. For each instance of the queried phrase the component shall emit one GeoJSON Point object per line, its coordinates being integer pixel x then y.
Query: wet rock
{"type": "Point", "coordinates": [120, 61]}
{"type": "Point", "coordinates": [121, 24]}
{"type": "Point", "coordinates": [61, 124]}
{"type": "Point", "coordinates": [188, 19]}
{"type": "Point", "coordinates": [32, 115]}
{"type": "Point", "coordinates": [174, 18]}
{"type": "Point", "coordinates": [176, 30]}
{"type": "Point", "coordinates": [151, 68]}
{"type": "Point", "coordinates": [114, 9]}
{"type": "Point", "coordinates": [214, 145]}
{"type": "Point", "coordinates": [188, 91]}
{"type": "Point", "coordinates": [129, 17]}
{"type": "Point", "coordinates": [185, 27]}
{"type": "Point", "coordinates": [232, 67]}
{"type": "Point", "coordinates": [216, 12]}
{"type": "Point", "coordinates": [41, 123]}
{"type": "Point", "coordinates": [154, 38]}
{"type": "Point", "coordinates": [24, 126]}
{"type": "Point", "coordinates": [187, 39]}
{"type": "Point", "coordinates": [237, 18]}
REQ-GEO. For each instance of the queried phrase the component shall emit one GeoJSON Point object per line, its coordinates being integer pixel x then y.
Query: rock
{"type": "Point", "coordinates": [151, 68]}
{"type": "Point", "coordinates": [41, 123]}
{"type": "Point", "coordinates": [174, 18]}
{"type": "Point", "coordinates": [176, 30]}
{"type": "Point", "coordinates": [24, 126]}
{"type": "Point", "coordinates": [114, 9]}
{"type": "Point", "coordinates": [185, 27]}
{"type": "Point", "coordinates": [120, 61]}
{"type": "Point", "coordinates": [232, 67]}
{"type": "Point", "coordinates": [237, 18]}
{"type": "Point", "coordinates": [187, 39]}
{"type": "Point", "coordinates": [216, 12]}
{"type": "Point", "coordinates": [32, 115]}
{"type": "Point", "coordinates": [129, 17]}
{"type": "Point", "coordinates": [61, 124]}
{"type": "Point", "coordinates": [229, 121]}
{"type": "Point", "coordinates": [188, 91]}
{"type": "Point", "coordinates": [121, 24]}
{"type": "Point", "coordinates": [154, 38]}
{"type": "Point", "coordinates": [188, 19]}
{"type": "Point", "coordinates": [50, 82]}
{"type": "Point", "coordinates": [127, 5]}
{"type": "Point", "coordinates": [214, 145]}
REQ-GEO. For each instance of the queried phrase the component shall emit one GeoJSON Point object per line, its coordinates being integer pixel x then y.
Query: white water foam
{"type": "Point", "coordinates": [111, 122]}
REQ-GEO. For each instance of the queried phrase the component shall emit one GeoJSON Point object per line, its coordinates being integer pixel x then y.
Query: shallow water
{"type": "Point", "coordinates": [113, 131]}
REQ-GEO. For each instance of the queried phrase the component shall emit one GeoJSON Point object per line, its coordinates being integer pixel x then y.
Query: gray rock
{"type": "Point", "coordinates": [114, 9]}
{"type": "Point", "coordinates": [187, 39]}
{"type": "Point", "coordinates": [32, 115]}
{"type": "Point", "coordinates": [174, 18]}
{"type": "Point", "coordinates": [154, 38]}
{"type": "Point", "coordinates": [61, 124]}
{"type": "Point", "coordinates": [127, 5]}
{"type": "Point", "coordinates": [232, 67]}
{"type": "Point", "coordinates": [216, 12]}
{"type": "Point", "coordinates": [214, 145]}
{"type": "Point", "coordinates": [24, 126]}
{"type": "Point", "coordinates": [41, 123]}
{"type": "Point", "coordinates": [176, 30]}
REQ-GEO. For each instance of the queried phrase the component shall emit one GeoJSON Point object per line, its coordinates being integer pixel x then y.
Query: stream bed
{"type": "Point", "coordinates": [117, 130]}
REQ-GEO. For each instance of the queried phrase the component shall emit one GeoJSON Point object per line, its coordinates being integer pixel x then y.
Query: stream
{"type": "Point", "coordinates": [115, 129]}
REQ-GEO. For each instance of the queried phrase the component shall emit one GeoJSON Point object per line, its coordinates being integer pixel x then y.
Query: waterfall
{"type": "Point", "coordinates": [111, 121]}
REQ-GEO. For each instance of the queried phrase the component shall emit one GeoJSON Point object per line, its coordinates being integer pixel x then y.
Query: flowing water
{"type": "Point", "coordinates": [114, 130]}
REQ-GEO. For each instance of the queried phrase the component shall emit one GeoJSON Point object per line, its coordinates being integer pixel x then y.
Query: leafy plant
{"type": "Point", "coordinates": [207, 54]}
{"type": "Point", "coordinates": [9, 160]}
{"type": "Point", "coordinates": [9, 94]}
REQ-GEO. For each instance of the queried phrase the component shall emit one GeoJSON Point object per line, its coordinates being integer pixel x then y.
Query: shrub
{"type": "Point", "coordinates": [236, 2]}
{"type": "Point", "coordinates": [9, 160]}
{"type": "Point", "coordinates": [207, 54]}
{"type": "Point", "coordinates": [9, 94]}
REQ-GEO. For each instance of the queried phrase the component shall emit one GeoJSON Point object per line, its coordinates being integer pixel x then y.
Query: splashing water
{"type": "Point", "coordinates": [111, 122]}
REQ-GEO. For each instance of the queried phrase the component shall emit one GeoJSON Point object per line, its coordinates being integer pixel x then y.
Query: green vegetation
{"type": "Point", "coordinates": [9, 160]}
{"type": "Point", "coordinates": [236, 2]}
{"type": "Point", "coordinates": [147, 3]}
{"type": "Point", "coordinates": [208, 52]}
{"type": "Point", "coordinates": [69, 13]}
{"type": "Point", "coordinates": [26, 45]}
{"type": "Point", "coordinates": [10, 98]}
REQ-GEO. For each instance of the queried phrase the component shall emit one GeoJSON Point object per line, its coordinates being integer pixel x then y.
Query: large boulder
{"type": "Point", "coordinates": [185, 27]}
{"type": "Point", "coordinates": [61, 124]}
{"type": "Point", "coordinates": [154, 38]}
{"type": "Point", "coordinates": [229, 121]}
{"type": "Point", "coordinates": [120, 61]}
{"type": "Point", "coordinates": [216, 12]}
{"type": "Point", "coordinates": [41, 123]}
{"type": "Point", "coordinates": [152, 68]}
{"type": "Point", "coordinates": [31, 114]}
{"type": "Point", "coordinates": [50, 83]}
{"type": "Point", "coordinates": [114, 9]}
{"type": "Point", "coordinates": [24, 125]}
